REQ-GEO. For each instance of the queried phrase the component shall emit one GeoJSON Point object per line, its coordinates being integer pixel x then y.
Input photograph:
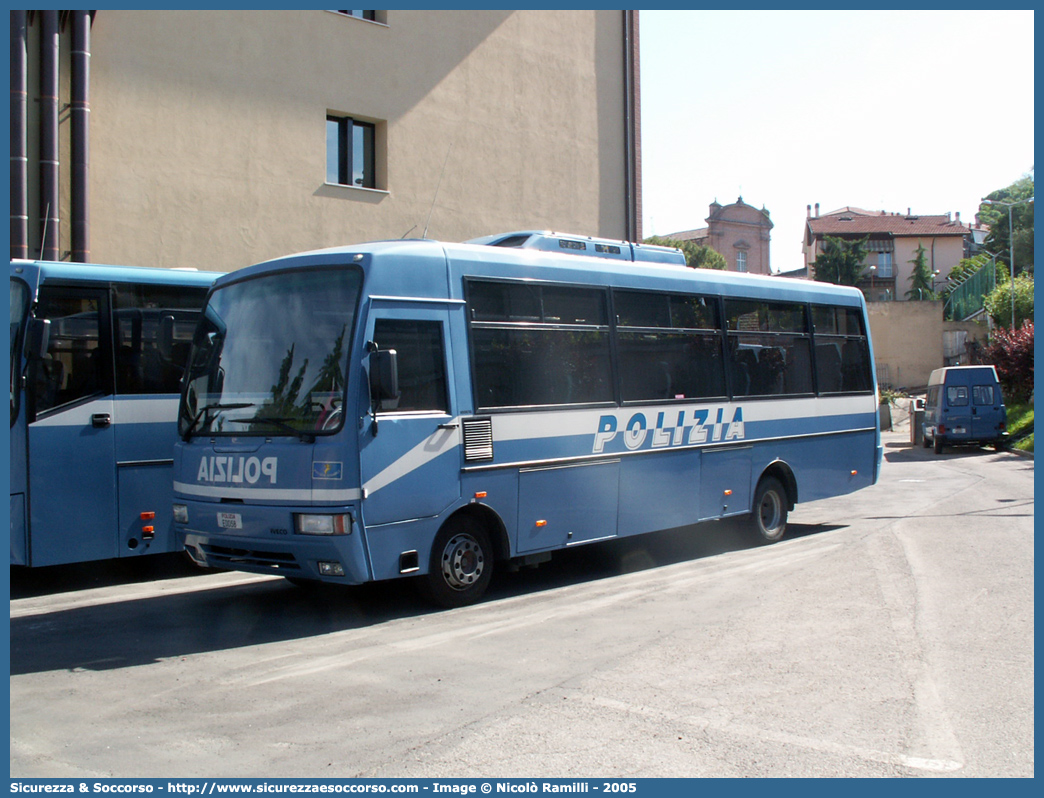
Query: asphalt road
{"type": "Point", "coordinates": [890, 633]}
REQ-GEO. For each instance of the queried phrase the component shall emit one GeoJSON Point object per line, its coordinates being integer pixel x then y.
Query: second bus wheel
{"type": "Point", "coordinates": [769, 513]}
{"type": "Point", "coordinates": [461, 564]}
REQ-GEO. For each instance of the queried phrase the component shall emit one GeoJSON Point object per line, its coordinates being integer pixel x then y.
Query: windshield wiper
{"type": "Point", "coordinates": [215, 406]}
{"type": "Point", "coordinates": [279, 422]}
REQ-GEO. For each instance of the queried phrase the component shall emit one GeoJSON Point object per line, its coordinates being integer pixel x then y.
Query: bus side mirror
{"type": "Point", "coordinates": [165, 337]}
{"type": "Point", "coordinates": [384, 379]}
{"type": "Point", "coordinates": [37, 337]}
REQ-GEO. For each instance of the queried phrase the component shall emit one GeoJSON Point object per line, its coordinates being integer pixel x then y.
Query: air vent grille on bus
{"type": "Point", "coordinates": [478, 439]}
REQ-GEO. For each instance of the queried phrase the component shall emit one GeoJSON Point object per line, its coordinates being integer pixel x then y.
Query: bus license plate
{"type": "Point", "coordinates": [230, 520]}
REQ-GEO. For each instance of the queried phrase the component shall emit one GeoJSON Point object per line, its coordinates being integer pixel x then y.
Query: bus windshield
{"type": "Point", "coordinates": [270, 356]}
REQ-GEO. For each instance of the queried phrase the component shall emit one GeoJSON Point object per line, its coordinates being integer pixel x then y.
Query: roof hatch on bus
{"type": "Point", "coordinates": [547, 241]}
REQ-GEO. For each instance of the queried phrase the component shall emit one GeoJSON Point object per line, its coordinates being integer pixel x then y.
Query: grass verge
{"type": "Point", "coordinates": [1019, 418]}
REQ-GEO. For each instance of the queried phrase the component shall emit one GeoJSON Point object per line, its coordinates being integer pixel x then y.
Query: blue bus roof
{"type": "Point", "coordinates": [56, 270]}
{"type": "Point", "coordinates": [419, 268]}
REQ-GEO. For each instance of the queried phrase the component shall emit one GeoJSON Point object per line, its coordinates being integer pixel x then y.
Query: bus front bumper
{"type": "Point", "coordinates": [264, 540]}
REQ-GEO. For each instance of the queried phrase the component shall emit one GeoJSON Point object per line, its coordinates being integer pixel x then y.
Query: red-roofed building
{"type": "Point", "coordinates": [892, 242]}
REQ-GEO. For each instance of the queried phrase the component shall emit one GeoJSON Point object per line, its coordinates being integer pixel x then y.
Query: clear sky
{"type": "Point", "coordinates": [883, 110]}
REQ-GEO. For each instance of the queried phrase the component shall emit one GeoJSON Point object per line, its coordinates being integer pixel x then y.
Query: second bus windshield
{"type": "Point", "coordinates": [271, 355]}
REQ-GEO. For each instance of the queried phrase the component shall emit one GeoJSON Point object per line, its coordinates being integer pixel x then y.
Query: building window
{"type": "Point", "coordinates": [884, 264]}
{"type": "Point", "coordinates": [370, 15]}
{"type": "Point", "coordinates": [350, 152]}
{"type": "Point", "coordinates": [741, 260]}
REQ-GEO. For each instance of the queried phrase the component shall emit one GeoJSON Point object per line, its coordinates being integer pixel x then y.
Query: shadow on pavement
{"type": "Point", "coordinates": [140, 631]}
{"type": "Point", "coordinates": [30, 582]}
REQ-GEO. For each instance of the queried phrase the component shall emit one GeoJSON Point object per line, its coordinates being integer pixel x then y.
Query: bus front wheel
{"type": "Point", "coordinates": [461, 565]}
{"type": "Point", "coordinates": [769, 514]}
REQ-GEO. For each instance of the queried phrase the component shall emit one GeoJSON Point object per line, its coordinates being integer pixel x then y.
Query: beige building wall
{"type": "Point", "coordinates": [909, 338]}
{"type": "Point", "coordinates": [942, 254]}
{"type": "Point", "coordinates": [208, 129]}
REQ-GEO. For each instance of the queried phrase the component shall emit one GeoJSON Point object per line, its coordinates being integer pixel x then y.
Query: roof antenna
{"type": "Point", "coordinates": [408, 232]}
{"type": "Point", "coordinates": [437, 186]}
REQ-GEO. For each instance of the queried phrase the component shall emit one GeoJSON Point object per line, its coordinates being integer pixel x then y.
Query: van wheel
{"type": "Point", "coordinates": [926, 441]}
{"type": "Point", "coordinates": [461, 565]}
{"type": "Point", "coordinates": [938, 445]}
{"type": "Point", "coordinates": [769, 515]}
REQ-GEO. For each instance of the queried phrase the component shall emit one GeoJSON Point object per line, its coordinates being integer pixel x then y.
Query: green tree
{"type": "Point", "coordinates": [697, 256]}
{"type": "Point", "coordinates": [998, 302]}
{"type": "Point", "coordinates": [921, 279]}
{"type": "Point", "coordinates": [1000, 239]}
{"type": "Point", "coordinates": [841, 261]}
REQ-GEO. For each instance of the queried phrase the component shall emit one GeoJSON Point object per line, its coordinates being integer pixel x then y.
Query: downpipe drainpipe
{"type": "Point", "coordinates": [80, 111]}
{"type": "Point", "coordinates": [632, 129]}
{"type": "Point", "coordinates": [49, 135]}
{"type": "Point", "coordinates": [19, 141]}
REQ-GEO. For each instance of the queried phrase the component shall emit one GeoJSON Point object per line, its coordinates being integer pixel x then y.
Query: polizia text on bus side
{"type": "Point", "coordinates": [431, 410]}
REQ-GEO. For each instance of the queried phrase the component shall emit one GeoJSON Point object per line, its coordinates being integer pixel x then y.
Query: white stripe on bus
{"type": "Point", "coordinates": [269, 494]}
{"type": "Point", "coordinates": [124, 411]}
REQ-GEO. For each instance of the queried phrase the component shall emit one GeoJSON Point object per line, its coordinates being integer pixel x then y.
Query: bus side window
{"type": "Point", "coordinates": [669, 346]}
{"type": "Point", "coordinates": [768, 345]}
{"type": "Point", "coordinates": [842, 351]}
{"type": "Point", "coordinates": [76, 365]}
{"type": "Point", "coordinates": [421, 362]}
{"type": "Point", "coordinates": [536, 346]}
{"type": "Point", "coordinates": [154, 326]}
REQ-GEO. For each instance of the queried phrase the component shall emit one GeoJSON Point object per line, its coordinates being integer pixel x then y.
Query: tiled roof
{"type": "Point", "coordinates": [855, 222]}
{"type": "Point", "coordinates": [688, 235]}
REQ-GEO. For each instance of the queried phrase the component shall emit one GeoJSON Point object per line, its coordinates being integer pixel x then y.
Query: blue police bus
{"type": "Point", "coordinates": [430, 409]}
{"type": "Point", "coordinates": [97, 355]}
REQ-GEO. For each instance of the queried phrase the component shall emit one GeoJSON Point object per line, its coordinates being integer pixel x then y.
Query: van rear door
{"type": "Point", "coordinates": [987, 412]}
{"type": "Point", "coordinates": [956, 414]}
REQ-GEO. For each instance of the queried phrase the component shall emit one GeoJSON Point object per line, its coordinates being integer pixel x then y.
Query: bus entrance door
{"type": "Point", "coordinates": [71, 443]}
{"type": "Point", "coordinates": [411, 463]}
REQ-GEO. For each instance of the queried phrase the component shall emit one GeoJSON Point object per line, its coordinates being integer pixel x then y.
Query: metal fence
{"type": "Point", "coordinates": [966, 299]}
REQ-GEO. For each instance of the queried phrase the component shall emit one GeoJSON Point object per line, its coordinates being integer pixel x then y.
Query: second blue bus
{"type": "Point", "coordinates": [417, 408]}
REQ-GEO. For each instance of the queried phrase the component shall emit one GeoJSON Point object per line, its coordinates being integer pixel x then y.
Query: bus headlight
{"type": "Point", "coordinates": [180, 514]}
{"type": "Point", "coordinates": [340, 524]}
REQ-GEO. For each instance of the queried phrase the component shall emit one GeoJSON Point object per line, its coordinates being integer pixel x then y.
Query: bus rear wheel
{"type": "Point", "coordinates": [769, 514]}
{"type": "Point", "coordinates": [461, 565]}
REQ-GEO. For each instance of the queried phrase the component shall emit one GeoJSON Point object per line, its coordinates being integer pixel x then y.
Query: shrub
{"type": "Point", "coordinates": [998, 301]}
{"type": "Point", "coordinates": [1011, 351]}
